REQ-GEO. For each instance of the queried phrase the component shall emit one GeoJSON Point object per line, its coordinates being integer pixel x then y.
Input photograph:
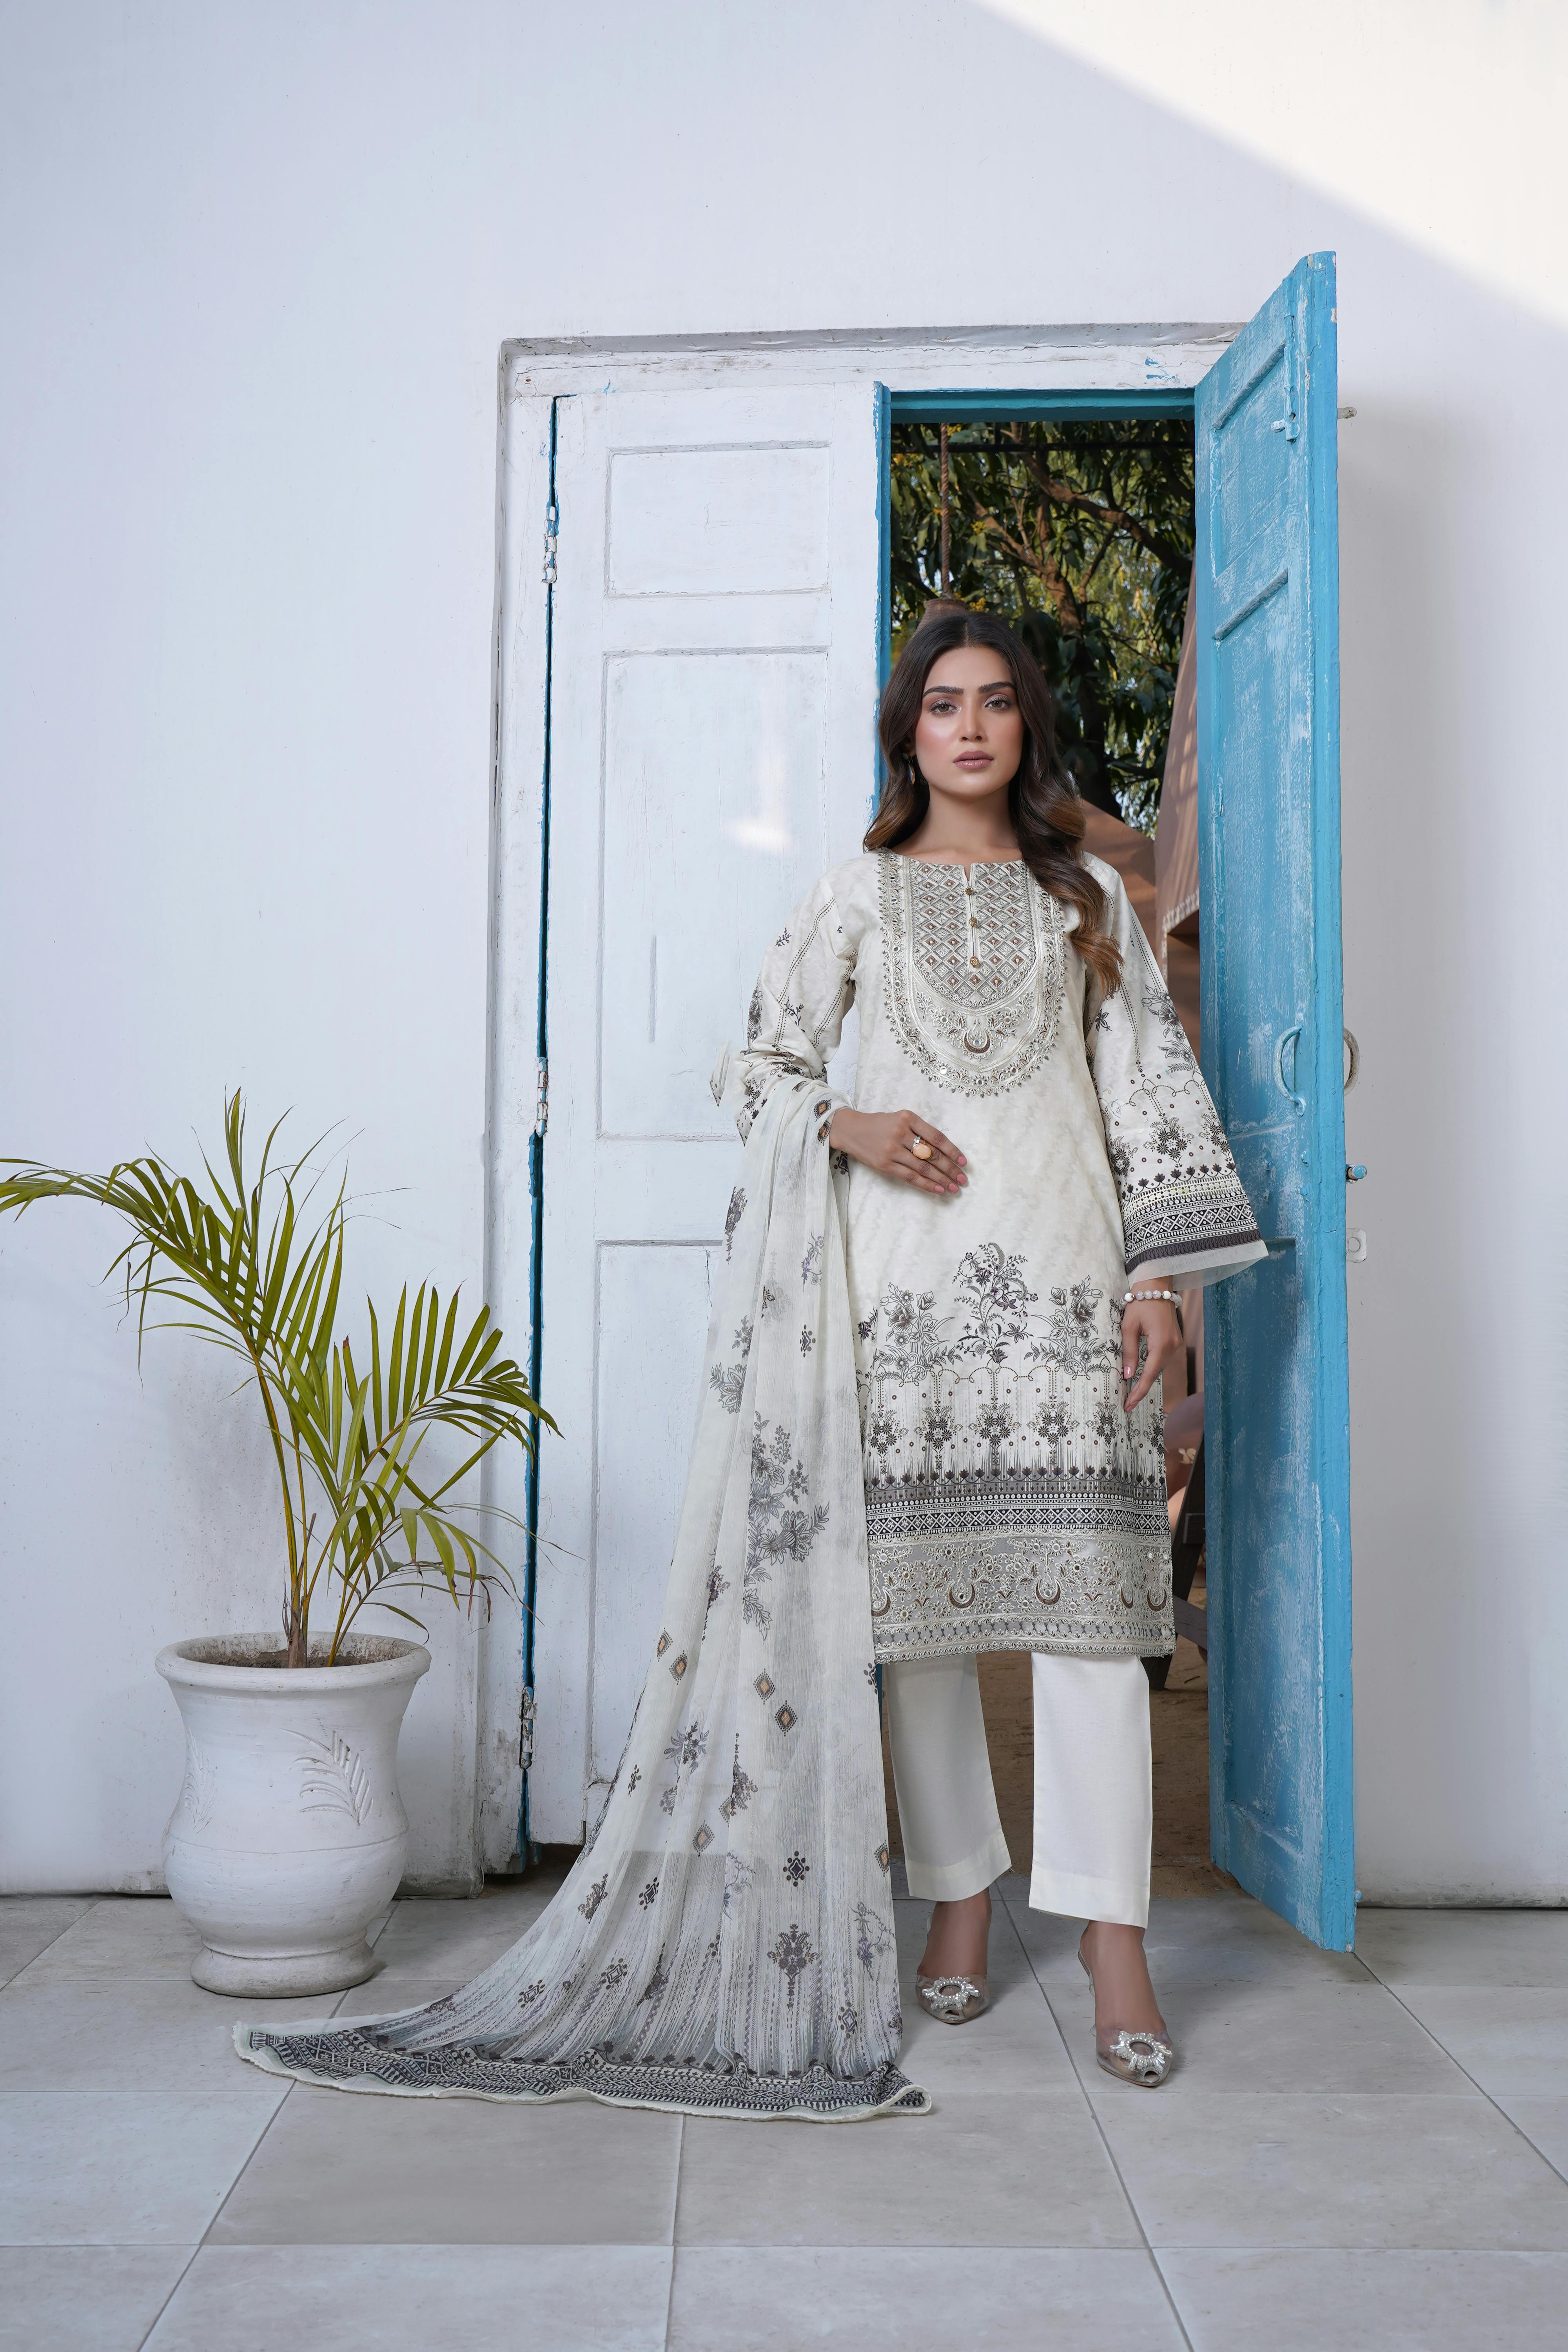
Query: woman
{"type": "Point", "coordinates": [1039, 1168]}
{"type": "Point", "coordinates": [929, 1431]}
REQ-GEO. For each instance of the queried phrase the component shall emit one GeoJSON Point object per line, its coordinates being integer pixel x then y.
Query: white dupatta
{"type": "Point", "coordinates": [724, 1944]}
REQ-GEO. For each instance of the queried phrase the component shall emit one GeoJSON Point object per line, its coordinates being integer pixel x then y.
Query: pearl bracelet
{"type": "Point", "coordinates": [1173, 1297]}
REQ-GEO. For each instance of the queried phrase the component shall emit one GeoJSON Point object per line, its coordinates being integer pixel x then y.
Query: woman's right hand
{"type": "Point", "coordinates": [884, 1139]}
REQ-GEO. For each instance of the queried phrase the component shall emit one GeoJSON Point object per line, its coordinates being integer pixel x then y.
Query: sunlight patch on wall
{"type": "Point", "coordinates": [1440, 120]}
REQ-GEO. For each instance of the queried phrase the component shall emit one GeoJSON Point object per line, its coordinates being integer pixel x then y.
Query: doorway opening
{"type": "Point", "coordinates": [1076, 522]}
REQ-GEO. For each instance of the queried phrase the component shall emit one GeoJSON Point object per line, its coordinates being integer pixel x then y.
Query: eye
{"type": "Point", "coordinates": [999, 702]}
{"type": "Point", "coordinates": [940, 709]}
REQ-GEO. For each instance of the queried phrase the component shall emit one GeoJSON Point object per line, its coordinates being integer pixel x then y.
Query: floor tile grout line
{"type": "Point", "coordinates": [967, 2246]}
{"type": "Point", "coordinates": [1173, 2306]}
{"type": "Point", "coordinates": [242, 2168]}
{"type": "Point", "coordinates": [1495, 2104]}
{"type": "Point", "coordinates": [17, 1977]}
{"type": "Point", "coordinates": [174, 2291]}
{"type": "Point", "coordinates": [250, 2158]}
{"type": "Point", "coordinates": [1104, 2141]}
{"type": "Point", "coordinates": [256, 2144]}
{"type": "Point", "coordinates": [1045, 1996]}
{"type": "Point", "coordinates": [1055, 2021]}
{"type": "Point", "coordinates": [1169, 2291]}
{"type": "Point", "coordinates": [1295, 2246]}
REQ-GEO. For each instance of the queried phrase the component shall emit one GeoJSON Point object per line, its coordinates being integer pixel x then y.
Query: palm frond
{"type": "Point", "coordinates": [245, 1264]}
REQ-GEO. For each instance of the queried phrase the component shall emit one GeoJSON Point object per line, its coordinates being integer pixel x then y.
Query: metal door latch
{"type": "Point", "coordinates": [541, 1097]}
{"type": "Point", "coordinates": [1354, 1172]}
{"type": "Point", "coordinates": [551, 518]}
{"type": "Point", "coordinates": [525, 1732]}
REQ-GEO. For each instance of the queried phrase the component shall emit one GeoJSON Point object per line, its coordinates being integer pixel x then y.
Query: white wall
{"type": "Point", "coordinates": [259, 262]}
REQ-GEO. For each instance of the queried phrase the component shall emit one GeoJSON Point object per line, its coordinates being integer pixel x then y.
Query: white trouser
{"type": "Point", "coordinates": [1093, 1801]}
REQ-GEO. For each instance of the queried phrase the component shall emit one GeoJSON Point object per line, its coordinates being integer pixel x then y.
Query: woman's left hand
{"type": "Point", "coordinates": [1154, 1323]}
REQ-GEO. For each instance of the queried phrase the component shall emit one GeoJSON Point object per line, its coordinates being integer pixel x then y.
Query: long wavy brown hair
{"type": "Point", "coordinates": [1046, 814]}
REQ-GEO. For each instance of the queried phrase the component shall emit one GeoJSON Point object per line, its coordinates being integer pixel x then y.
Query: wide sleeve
{"type": "Point", "coordinates": [1184, 1214]}
{"type": "Point", "coordinates": [805, 987]}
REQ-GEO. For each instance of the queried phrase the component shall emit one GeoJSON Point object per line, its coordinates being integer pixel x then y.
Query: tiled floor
{"type": "Point", "coordinates": [1358, 2152]}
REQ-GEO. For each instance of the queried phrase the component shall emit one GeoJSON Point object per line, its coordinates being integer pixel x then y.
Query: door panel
{"type": "Point", "coordinates": [714, 666]}
{"type": "Point", "coordinates": [687, 845]}
{"type": "Point", "coordinates": [1266, 581]}
{"type": "Point", "coordinates": [717, 522]}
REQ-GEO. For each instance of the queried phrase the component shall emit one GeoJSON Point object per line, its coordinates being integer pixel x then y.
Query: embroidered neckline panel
{"type": "Point", "coordinates": [975, 1019]}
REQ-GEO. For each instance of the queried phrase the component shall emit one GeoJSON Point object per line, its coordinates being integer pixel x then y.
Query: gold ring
{"type": "Point", "coordinates": [920, 1148]}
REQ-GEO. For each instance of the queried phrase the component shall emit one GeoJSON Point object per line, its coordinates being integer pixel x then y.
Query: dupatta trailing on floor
{"type": "Point", "coordinates": [724, 1944]}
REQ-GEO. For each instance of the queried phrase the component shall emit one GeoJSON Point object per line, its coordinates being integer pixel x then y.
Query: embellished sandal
{"type": "Point", "coordinates": [953, 2000]}
{"type": "Point", "coordinates": [1142, 2059]}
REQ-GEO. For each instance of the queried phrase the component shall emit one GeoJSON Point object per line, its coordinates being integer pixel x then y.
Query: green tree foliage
{"type": "Point", "coordinates": [1082, 537]}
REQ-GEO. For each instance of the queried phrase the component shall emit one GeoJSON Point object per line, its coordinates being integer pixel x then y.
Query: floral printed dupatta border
{"type": "Point", "coordinates": [724, 1944]}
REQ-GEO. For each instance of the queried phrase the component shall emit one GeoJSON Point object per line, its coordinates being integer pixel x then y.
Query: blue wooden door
{"type": "Point", "coordinates": [1278, 1534]}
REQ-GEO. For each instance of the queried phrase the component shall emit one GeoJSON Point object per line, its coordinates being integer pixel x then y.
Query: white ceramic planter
{"type": "Point", "coordinates": [289, 1835]}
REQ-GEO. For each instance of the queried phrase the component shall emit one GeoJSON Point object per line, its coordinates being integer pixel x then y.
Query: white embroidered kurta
{"type": "Point", "coordinates": [1012, 1502]}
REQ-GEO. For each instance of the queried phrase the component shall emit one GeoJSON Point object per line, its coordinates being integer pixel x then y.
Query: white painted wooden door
{"type": "Point", "coordinates": [714, 669]}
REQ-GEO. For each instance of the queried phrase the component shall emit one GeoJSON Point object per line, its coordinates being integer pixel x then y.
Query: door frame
{"type": "Point", "coordinates": [1003, 372]}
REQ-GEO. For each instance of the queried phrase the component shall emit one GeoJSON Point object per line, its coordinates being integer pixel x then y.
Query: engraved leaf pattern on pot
{"type": "Point", "coordinates": [333, 1778]}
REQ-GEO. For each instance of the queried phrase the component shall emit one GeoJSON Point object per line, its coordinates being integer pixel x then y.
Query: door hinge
{"type": "Point", "coordinates": [525, 1732]}
{"type": "Point", "coordinates": [552, 520]}
{"type": "Point", "coordinates": [541, 1097]}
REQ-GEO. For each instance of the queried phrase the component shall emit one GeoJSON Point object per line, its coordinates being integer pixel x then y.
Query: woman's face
{"type": "Point", "coordinates": [969, 738]}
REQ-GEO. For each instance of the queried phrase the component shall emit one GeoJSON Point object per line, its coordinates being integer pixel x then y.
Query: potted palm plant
{"type": "Point", "coordinates": [289, 1835]}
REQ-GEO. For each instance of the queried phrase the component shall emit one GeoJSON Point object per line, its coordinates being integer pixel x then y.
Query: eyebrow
{"type": "Point", "coordinates": [997, 685]}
